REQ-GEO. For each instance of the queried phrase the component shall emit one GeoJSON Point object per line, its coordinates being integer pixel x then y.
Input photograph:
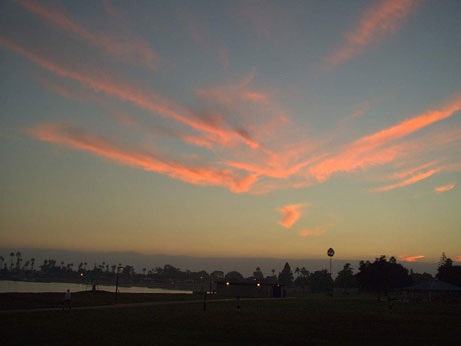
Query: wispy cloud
{"type": "Point", "coordinates": [444, 188]}
{"type": "Point", "coordinates": [376, 21]}
{"type": "Point", "coordinates": [126, 49]}
{"type": "Point", "coordinates": [148, 100]}
{"type": "Point", "coordinates": [291, 213]}
{"type": "Point", "coordinates": [312, 232]}
{"type": "Point", "coordinates": [410, 171]}
{"type": "Point", "coordinates": [195, 174]}
{"type": "Point", "coordinates": [405, 258]}
{"type": "Point", "coordinates": [409, 181]}
{"type": "Point", "coordinates": [374, 150]}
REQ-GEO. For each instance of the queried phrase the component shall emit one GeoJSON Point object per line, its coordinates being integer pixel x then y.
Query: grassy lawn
{"type": "Point", "coordinates": [10, 301]}
{"type": "Point", "coordinates": [316, 320]}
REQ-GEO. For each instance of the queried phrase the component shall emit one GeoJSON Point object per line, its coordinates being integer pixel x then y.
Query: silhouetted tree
{"type": "Point", "coordinates": [381, 276]}
{"type": "Point", "coordinates": [258, 274]}
{"type": "Point", "coordinates": [448, 272]}
{"type": "Point", "coordinates": [18, 260]}
{"type": "Point", "coordinates": [32, 262]}
{"type": "Point", "coordinates": [12, 260]}
{"type": "Point", "coordinates": [345, 278]}
{"type": "Point", "coordinates": [286, 275]}
{"type": "Point", "coordinates": [2, 260]}
{"type": "Point", "coordinates": [320, 281]}
{"type": "Point", "coordinates": [417, 278]}
{"type": "Point", "coordinates": [234, 276]}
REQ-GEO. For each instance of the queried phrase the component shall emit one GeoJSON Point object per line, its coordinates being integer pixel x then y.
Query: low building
{"type": "Point", "coordinates": [234, 289]}
{"type": "Point", "coordinates": [434, 289]}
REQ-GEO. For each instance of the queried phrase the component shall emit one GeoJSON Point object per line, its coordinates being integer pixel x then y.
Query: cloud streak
{"type": "Point", "coordinates": [405, 258]}
{"type": "Point", "coordinates": [126, 49]}
{"type": "Point", "coordinates": [444, 188]}
{"type": "Point", "coordinates": [414, 179]}
{"type": "Point", "coordinates": [291, 213]}
{"type": "Point", "coordinates": [376, 22]}
{"type": "Point", "coordinates": [150, 101]}
{"type": "Point", "coordinates": [313, 232]}
{"type": "Point", "coordinates": [374, 150]}
{"type": "Point", "coordinates": [195, 174]}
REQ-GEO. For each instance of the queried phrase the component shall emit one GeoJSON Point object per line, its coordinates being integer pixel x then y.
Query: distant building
{"type": "Point", "coordinates": [249, 289]}
{"type": "Point", "coordinates": [435, 289]}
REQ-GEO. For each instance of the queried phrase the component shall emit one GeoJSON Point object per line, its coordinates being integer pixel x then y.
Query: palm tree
{"type": "Point", "coordinates": [32, 262]}
{"type": "Point", "coordinates": [12, 260]}
{"type": "Point", "coordinates": [273, 272]}
{"type": "Point", "coordinates": [26, 265]}
{"type": "Point", "coordinates": [297, 271]}
{"type": "Point", "coordinates": [144, 271]}
{"type": "Point", "coordinates": [2, 259]}
{"type": "Point", "coordinates": [304, 272]}
{"type": "Point", "coordinates": [18, 260]}
{"type": "Point", "coordinates": [85, 265]}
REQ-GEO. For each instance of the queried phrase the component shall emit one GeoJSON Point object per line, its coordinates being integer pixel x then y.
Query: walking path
{"type": "Point", "coordinates": [135, 305]}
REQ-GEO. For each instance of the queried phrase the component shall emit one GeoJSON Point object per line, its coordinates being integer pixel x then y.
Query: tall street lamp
{"type": "Point", "coordinates": [116, 283]}
{"type": "Point", "coordinates": [330, 253]}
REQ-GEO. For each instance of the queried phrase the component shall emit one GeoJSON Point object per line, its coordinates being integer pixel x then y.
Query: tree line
{"type": "Point", "coordinates": [380, 276]}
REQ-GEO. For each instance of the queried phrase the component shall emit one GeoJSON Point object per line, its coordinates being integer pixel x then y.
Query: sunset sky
{"type": "Point", "coordinates": [232, 128]}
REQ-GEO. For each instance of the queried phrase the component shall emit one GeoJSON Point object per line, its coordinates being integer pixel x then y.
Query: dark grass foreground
{"type": "Point", "coordinates": [316, 320]}
{"type": "Point", "coordinates": [9, 301]}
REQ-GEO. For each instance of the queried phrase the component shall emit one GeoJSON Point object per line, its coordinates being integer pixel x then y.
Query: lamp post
{"type": "Point", "coordinates": [331, 253]}
{"type": "Point", "coordinates": [116, 283]}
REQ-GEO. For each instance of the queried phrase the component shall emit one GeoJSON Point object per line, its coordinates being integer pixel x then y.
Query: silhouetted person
{"type": "Point", "coordinates": [67, 300]}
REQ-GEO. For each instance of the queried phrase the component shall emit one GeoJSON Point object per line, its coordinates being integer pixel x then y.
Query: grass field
{"type": "Point", "coordinates": [9, 301]}
{"type": "Point", "coordinates": [314, 320]}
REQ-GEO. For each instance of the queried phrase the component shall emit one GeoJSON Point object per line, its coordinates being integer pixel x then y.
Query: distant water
{"type": "Point", "coordinates": [40, 287]}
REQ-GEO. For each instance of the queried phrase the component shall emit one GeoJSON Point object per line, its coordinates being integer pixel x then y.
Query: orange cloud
{"type": "Point", "coordinates": [406, 258]}
{"type": "Point", "coordinates": [314, 232]}
{"type": "Point", "coordinates": [444, 188]}
{"type": "Point", "coordinates": [410, 171]}
{"type": "Point", "coordinates": [124, 48]}
{"type": "Point", "coordinates": [291, 213]}
{"type": "Point", "coordinates": [194, 174]}
{"type": "Point", "coordinates": [457, 259]}
{"type": "Point", "coordinates": [146, 100]}
{"type": "Point", "coordinates": [368, 150]}
{"type": "Point", "coordinates": [376, 21]}
{"type": "Point", "coordinates": [412, 180]}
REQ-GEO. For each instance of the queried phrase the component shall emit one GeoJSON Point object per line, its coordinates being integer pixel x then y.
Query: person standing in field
{"type": "Point", "coordinates": [67, 300]}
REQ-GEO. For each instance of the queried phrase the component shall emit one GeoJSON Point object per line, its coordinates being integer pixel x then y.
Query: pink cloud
{"type": "Point", "coordinates": [411, 180]}
{"type": "Point", "coordinates": [376, 21]}
{"type": "Point", "coordinates": [194, 174]}
{"type": "Point", "coordinates": [146, 100]}
{"type": "Point", "coordinates": [368, 151]}
{"type": "Point", "coordinates": [314, 232]}
{"type": "Point", "coordinates": [126, 49]}
{"type": "Point", "coordinates": [405, 258]}
{"type": "Point", "coordinates": [410, 171]}
{"type": "Point", "coordinates": [444, 188]}
{"type": "Point", "coordinates": [291, 213]}
{"type": "Point", "coordinates": [457, 259]}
